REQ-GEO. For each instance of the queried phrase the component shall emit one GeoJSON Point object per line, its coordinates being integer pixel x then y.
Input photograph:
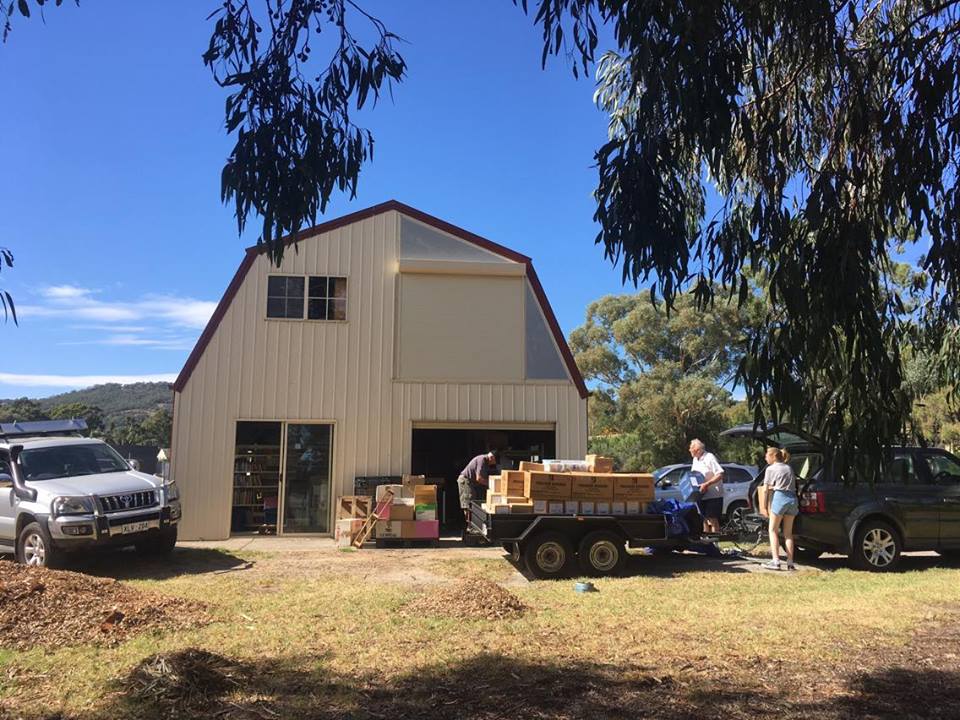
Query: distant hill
{"type": "Point", "coordinates": [133, 400]}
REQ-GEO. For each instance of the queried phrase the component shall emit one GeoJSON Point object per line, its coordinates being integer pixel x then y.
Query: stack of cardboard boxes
{"type": "Point", "coordinates": [594, 491]}
{"type": "Point", "coordinates": [413, 513]}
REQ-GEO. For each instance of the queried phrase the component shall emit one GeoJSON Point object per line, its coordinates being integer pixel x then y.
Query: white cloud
{"type": "Point", "coordinates": [80, 381]}
{"type": "Point", "coordinates": [162, 315]}
{"type": "Point", "coordinates": [65, 291]}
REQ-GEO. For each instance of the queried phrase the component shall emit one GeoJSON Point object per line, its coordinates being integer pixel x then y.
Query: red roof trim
{"type": "Point", "coordinates": [443, 226]}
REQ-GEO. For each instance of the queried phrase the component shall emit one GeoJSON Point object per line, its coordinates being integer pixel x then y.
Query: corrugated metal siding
{"type": "Point", "coordinates": [259, 369]}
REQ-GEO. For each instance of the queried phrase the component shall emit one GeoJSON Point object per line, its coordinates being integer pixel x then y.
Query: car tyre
{"type": "Point", "coordinates": [36, 549]}
{"type": "Point", "coordinates": [876, 547]}
{"type": "Point", "coordinates": [737, 511]}
{"type": "Point", "coordinates": [602, 553]}
{"type": "Point", "coordinates": [548, 555]}
{"type": "Point", "coordinates": [162, 544]}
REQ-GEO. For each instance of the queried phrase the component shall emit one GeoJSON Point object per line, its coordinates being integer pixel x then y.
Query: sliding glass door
{"type": "Point", "coordinates": [306, 478]}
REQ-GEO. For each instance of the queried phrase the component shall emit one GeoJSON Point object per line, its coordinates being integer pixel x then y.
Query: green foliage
{"type": "Point", "coordinates": [68, 411]}
{"type": "Point", "coordinates": [660, 376]}
{"type": "Point", "coordinates": [116, 400]}
{"type": "Point", "coordinates": [22, 7]}
{"type": "Point", "coordinates": [295, 140]}
{"type": "Point", "coordinates": [829, 128]}
{"type": "Point", "coordinates": [6, 300]}
{"type": "Point", "coordinates": [22, 410]}
{"type": "Point", "coordinates": [155, 429]}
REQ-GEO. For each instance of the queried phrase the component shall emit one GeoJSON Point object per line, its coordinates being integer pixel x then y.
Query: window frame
{"type": "Point", "coordinates": [305, 314]}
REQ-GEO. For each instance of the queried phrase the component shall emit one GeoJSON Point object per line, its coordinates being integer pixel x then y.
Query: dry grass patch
{"type": "Point", "coordinates": [473, 598]}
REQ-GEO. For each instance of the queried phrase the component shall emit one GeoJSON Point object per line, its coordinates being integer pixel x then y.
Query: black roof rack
{"type": "Point", "coordinates": [42, 428]}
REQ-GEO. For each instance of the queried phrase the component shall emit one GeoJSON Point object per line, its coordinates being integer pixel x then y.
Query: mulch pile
{"type": "Point", "coordinates": [473, 598]}
{"type": "Point", "coordinates": [186, 678]}
{"type": "Point", "coordinates": [54, 608]}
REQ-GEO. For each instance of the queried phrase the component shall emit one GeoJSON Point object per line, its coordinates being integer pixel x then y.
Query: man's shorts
{"type": "Point", "coordinates": [711, 509]}
{"type": "Point", "coordinates": [469, 492]}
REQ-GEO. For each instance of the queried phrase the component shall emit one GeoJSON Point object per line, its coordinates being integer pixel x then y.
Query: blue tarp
{"type": "Point", "coordinates": [675, 513]}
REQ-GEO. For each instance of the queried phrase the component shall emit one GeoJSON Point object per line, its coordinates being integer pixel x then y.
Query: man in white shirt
{"type": "Point", "coordinates": [711, 489]}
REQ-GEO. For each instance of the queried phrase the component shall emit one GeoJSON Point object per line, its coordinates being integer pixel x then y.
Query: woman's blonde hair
{"type": "Point", "coordinates": [780, 454]}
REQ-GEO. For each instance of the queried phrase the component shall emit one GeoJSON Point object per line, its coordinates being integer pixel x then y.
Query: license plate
{"type": "Point", "coordinates": [128, 528]}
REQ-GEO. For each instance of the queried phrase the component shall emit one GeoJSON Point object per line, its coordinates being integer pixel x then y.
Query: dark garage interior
{"type": "Point", "coordinates": [443, 453]}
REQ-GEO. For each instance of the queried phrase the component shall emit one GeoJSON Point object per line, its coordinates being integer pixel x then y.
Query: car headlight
{"type": "Point", "coordinates": [173, 492]}
{"type": "Point", "coordinates": [72, 506]}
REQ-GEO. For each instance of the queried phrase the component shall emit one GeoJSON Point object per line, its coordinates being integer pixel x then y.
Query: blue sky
{"type": "Point", "coordinates": [112, 142]}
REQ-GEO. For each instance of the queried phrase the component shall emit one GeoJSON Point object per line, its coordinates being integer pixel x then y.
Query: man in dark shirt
{"type": "Point", "coordinates": [473, 482]}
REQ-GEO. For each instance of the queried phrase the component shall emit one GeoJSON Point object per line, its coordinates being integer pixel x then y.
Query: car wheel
{"type": "Point", "coordinates": [876, 547]}
{"type": "Point", "coordinates": [602, 553]}
{"type": "Point", "coordinates": [548, 555]}
{"type": "Point", "coordinates": [35, 548]}
{"type": "Point", "coordinates": [162, 543]}
{"type": "Point", "coordinates": [737, 512]}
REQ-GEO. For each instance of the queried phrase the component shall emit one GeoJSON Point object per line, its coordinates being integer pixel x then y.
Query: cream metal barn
{"type": "Point", "coordinates": [387, 342]}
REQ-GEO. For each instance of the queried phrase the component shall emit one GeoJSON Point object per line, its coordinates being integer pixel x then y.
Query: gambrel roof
{"type": "Point", "coordinates": [460, 233]}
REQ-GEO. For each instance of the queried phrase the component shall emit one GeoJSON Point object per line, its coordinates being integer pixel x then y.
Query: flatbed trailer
{"type": "Point", "coordinates": [556, 545]}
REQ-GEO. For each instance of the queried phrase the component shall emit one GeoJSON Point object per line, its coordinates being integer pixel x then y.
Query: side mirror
{"type": "Point", "coordinates": [6, 480]}
{"type": "Point", "coordinates": [666, 483]}
{"type": "Point", "coordinates": [134, 464]}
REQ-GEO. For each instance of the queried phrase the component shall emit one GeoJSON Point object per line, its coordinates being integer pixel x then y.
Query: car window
{"type": "Point", "coordinates": [736, 475]}
{"type": "Point", "coordinates": [901, 471]}
{"type": "Point", "coordinates": [675, 475]}
{"type": "Point", "coordinates": [943, 469]}
{"type": "Point", "coordinates": [4, 463]}
{"type": "Point", "coordinates": [70, 460]}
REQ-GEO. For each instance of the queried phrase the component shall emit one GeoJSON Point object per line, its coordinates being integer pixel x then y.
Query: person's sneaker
{"type": "Point", "coordinates": [791, 566]}
{"type": "Point", "coordinates": [772, 565]}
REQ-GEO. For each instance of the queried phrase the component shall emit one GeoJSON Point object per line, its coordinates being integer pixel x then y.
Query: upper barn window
{"type": "Point", "coordinates": [323, 298]}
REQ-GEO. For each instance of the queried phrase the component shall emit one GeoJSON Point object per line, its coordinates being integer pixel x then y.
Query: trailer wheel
{"type": "Point", "coordinates": [548, 555]}
{"type": "Point", "coordinates": [602, 553]}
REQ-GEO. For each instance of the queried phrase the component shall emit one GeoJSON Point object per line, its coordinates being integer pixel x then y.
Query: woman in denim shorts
{"type": "Point", "coordinates": [783, 505]}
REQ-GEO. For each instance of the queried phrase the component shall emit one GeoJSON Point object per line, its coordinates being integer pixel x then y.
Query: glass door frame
{"type": "Point", "coordinates": [282, 496]}
{"type": "Point", "coordinates": [281, 511]}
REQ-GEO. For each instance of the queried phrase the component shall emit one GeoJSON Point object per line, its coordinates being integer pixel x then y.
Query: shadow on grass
{"type": "Point", "coordinates": [496, 686]}
{"type": "Point", "coordinates": [909, 562]}
{"type": "Point", "coordinates": [129, 565]}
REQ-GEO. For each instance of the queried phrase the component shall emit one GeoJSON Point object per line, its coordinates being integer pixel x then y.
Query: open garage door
{"type": "Point", "coordinates": [444, 452]}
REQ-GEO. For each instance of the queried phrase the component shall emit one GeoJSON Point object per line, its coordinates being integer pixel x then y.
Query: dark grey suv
{"type": "Point", "coordinates": [916, 506]}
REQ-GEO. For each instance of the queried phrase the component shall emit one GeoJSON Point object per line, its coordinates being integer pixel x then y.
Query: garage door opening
{"type": "Point", "coordinates": [443, 453]}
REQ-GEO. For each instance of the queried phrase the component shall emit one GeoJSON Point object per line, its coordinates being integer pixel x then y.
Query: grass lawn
{"type": "Point", "coordinates": [325, 634]}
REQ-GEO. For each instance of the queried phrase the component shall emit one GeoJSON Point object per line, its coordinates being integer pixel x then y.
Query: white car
{"type": "Point", "coordinates": [736, 485]}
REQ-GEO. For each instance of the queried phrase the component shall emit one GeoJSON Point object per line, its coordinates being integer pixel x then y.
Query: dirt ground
{"type": "Point", "coordinates": [560, 658]}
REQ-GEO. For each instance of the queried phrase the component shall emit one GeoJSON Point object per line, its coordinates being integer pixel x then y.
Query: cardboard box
{"type": "Point", "coordinates": [495, 499]}
{"type": "Point", "coordinates": [633, 487]}
{"type": "Point", "coordinates": [545, 486]}
{"type": "Point", "coordinates": [402, 511]}
{"type": "Point", "coordinates": [632, 507]}
{"type": "Point", "coordinates": [540, 507]}
{"type": "Point", "coordinates": [603, 508]}
{"type": "Point", "coordinates": [763, 499]}
{"type": "Point", "coordinates": [521, 508]}
{"type": "Point", "coordinates": [587, 507]}
{"type": "Point", "coordinates": [618, 507]}
{"type": "Point", "coordinates": [345, 530]}
{"type": "Point", "coordinates": [555, 507]}
{"type": "Point", "coordinates": [496, 509]}
{"type": "Point", "coordinates": [425, 495]}
{"type": "Point", "coordinates": [509, 482]}
{"type": "Point", "coordinates": [425, 512]}
{"type": "Point", "coordinates": [411, 480]}
{"type": "Point", "coordinates": [599, 464]}
{"type": "Point", "coordinates": [397, 491]}
{"type": "Point", "coordinates": [571, 507]}
{"type": "Point", "coordinates": [564, 466]}
{"type": "Point", "coordinates": [389, 529]}
{"type": "Point", "coordinates": [422, 529]}
{"type": "Point", "coordinates": [591, 487]}
{"type": "Point", "coordinates": [526, 466]}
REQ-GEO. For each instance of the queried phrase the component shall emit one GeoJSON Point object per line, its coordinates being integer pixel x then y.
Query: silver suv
{"type": "Point", "coordinates": [62, 493]}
